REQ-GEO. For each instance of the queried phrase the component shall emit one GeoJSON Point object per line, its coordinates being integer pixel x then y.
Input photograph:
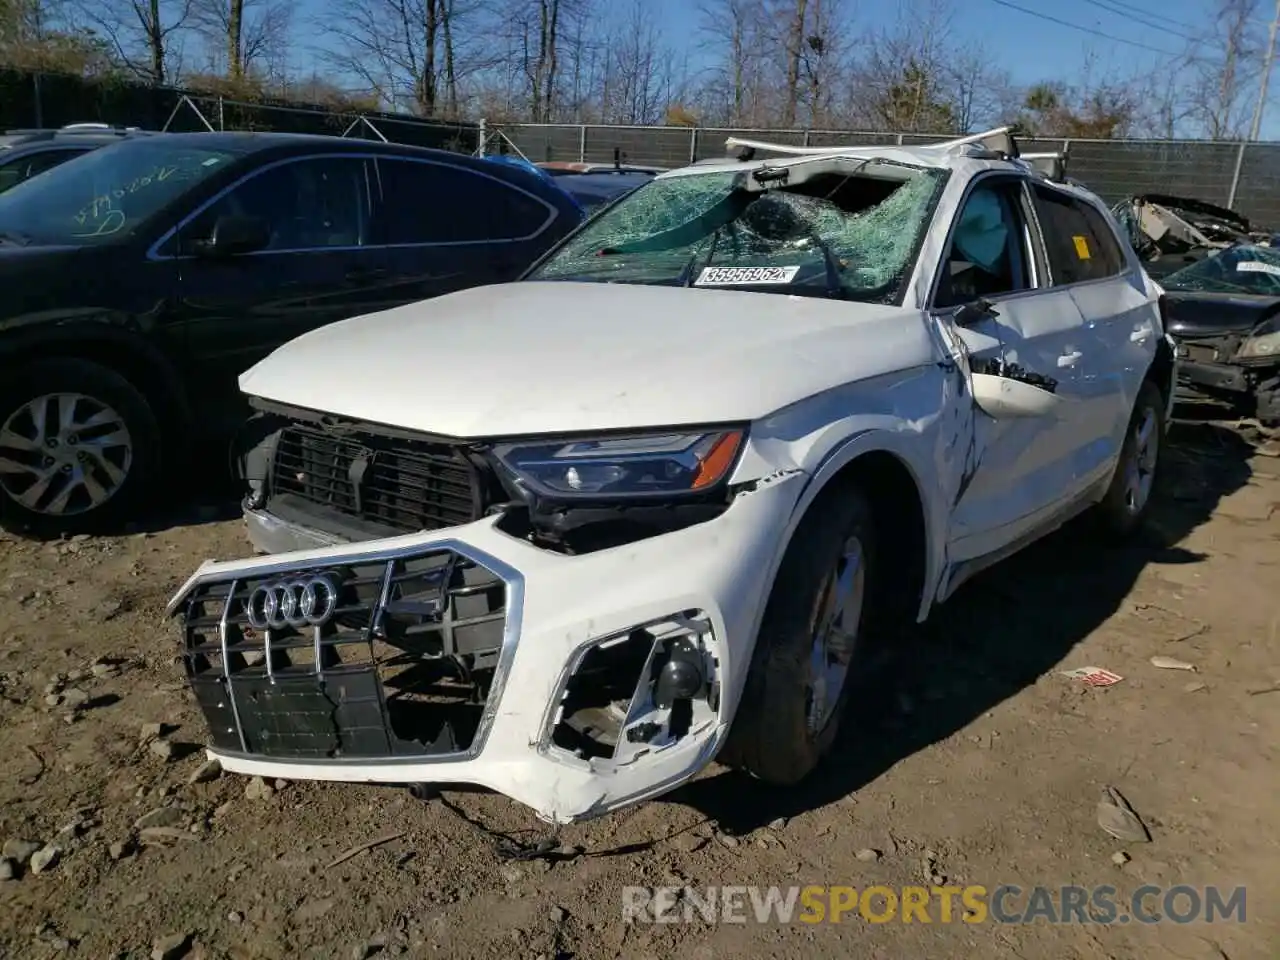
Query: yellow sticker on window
{"type": "Point", "coordinates": [1082, 248]}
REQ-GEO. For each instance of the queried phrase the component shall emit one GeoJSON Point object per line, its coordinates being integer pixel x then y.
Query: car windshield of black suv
{"type": "Point", "coordinates": [1242, 269]}
{"type": "Point", "coordinates": [107, 193]}
{"type": "Point", "coordinates": [825, 227]}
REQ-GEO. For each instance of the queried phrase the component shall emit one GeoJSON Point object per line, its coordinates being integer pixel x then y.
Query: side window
{"type": "Point", "coordinates": [46, 160]}
{"type": "Point", "coordinates": [441, 203]}
{"type": "Point", "coordinates": [309, 204]}
{"type": "Point", "coordinates": [24, 168]}
{"type": "Point", "coordinates": [987, 255]}
{"type": "Point", "coordinates": [1080, 244]}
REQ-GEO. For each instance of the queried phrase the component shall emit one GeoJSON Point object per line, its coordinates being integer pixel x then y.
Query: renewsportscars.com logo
{"type": "Point", "coordinates": [1005, 904]}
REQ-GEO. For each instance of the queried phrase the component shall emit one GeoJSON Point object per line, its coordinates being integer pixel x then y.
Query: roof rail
{"type": "Point", "coordinates": [87, 126]}
{"type": "Point", "coordinates": [999, 139]}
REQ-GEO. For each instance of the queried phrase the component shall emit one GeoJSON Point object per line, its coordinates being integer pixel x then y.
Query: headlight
{"type": "Point", "coordinates": [633, 466]}
{"type": "Point", "coordinates": [1263, 343]}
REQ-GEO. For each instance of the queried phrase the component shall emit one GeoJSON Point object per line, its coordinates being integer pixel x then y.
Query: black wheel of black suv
{"type": "Point", "coordinates": [79, 446]}
{"type": "Point", "coordinates": [812, 645]}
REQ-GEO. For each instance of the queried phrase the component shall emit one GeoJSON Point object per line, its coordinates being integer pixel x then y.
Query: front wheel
{"type": "Point", "coordinates": [811, 644]}
{"type": "Point", "coordinates": [1129, 497]}
{"type": "Point", "coordinates": [78, 444]}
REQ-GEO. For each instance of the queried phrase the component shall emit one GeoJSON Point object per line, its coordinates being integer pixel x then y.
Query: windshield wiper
{"type": "Point", "coordinates": [689, 274]}
{"type": "Point", "coordinates": [835, 287]}
{"type": "Point", "coordinates": [21, 239]}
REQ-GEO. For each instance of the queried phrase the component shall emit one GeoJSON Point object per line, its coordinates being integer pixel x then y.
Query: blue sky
{"type": "Point", "coordinates": [1030, 46]}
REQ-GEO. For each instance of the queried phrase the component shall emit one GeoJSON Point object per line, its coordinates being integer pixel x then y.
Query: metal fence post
{"type": "Point", "coordinates": [806, 136]}
{"type": "Point", "coordinates": [582, 143]}
{"type": "Point", "coordinates": [481, 136]}
{"type": "Point", "coordinates": [1235, 176]}
{"type": "Point", "coordinates": [693, 144]}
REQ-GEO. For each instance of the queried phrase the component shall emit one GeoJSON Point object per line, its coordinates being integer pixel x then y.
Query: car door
{"type": "Point", "coordinates": [319, 266]}
{"type": "Point", "coordinates": [449, 226]}
{"type": "Point", "coordinates": [1021, 467]}
{"type": "Point", "coordinates": [1121, 323]}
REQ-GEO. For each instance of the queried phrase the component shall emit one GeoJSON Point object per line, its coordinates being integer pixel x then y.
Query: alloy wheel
{"type": "Point", "coordinates": [63, 454]}
{"type": "Point", "coordinates": [835, 634]}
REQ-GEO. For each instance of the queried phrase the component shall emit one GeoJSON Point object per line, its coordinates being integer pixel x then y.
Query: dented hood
{"type": "Point", "coordinates": [548, 357]}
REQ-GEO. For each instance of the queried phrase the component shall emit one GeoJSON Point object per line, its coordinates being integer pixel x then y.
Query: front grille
{"type": "Point", "coordinates": [402, 484]}
{"type": "Point", "coordinates": [403, 666]}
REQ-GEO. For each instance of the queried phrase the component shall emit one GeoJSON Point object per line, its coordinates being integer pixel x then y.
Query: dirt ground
{"type": "Point", "coordinates": [975, 755]}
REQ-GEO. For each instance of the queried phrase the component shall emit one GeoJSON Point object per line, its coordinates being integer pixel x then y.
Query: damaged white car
{"type": "Point", "coordinates": [575, 537]}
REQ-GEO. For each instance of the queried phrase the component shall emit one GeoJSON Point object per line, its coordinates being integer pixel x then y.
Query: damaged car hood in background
{"type": "Point", "coordinates": [546, 357]}
{"type": "Point", "coordinates": [1168, 232]}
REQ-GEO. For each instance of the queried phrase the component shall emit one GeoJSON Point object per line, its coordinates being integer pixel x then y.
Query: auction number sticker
{"type": "Point", "coordinates": [731, 276]}
{"type": "Point", "coordinates": [1257, 266]}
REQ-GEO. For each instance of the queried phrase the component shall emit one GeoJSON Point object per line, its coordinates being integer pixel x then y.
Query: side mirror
{"type": "Point", "coordinates": [233, 236]}
{"type": "Point", "coordinates": [974, 311]}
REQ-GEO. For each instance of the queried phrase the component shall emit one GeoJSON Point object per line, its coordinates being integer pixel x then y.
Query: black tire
{"type": "Point", "coordinates": [1116, 514]}
{"type": "Point", "coordinates": [108, 389]}
{"type": "Point", "coordinates": [772, 737]}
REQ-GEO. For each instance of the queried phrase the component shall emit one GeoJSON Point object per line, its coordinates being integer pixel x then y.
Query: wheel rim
{"type": "Point", "coordinates": [1140, 471]}
{"type": "Point", "coordinates": [837, 613]}
{"type": "Point", "coordinates": [63, 454]}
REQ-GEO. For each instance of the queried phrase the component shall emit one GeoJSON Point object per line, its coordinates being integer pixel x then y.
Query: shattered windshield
{"type": "Point", "coordinates": [841, 229]}
{"type": "Point", "coordinates": [1242, 269]}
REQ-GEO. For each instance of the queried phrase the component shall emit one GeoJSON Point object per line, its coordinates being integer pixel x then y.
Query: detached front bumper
{"type": "Point", "coordinates": [317, 699]}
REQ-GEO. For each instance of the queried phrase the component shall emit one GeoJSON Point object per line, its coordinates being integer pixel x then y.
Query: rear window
{"type": "Point", "coordinates": [431, 202]}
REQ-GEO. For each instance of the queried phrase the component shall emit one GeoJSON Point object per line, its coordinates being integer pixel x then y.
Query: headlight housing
{"type": "Point", "coordinates": [639, 466]}
{"type": "Point", "coordinates": [1263, 343]}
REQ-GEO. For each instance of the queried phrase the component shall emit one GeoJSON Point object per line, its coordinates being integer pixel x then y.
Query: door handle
{"type": "Point", "coordinates": [1141, 335]}
{"type": "Point", "coordinates": [365, 274]}
{"type": "Point", "coordinates": [1070, 359]}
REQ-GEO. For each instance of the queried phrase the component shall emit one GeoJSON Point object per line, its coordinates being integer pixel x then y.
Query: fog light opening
{"type": "Point", "coordinates": [640, 691]}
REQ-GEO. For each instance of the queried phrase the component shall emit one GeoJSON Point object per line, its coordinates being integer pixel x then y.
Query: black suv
{"type": "Point", "coordinates": [142, 278]}
{"type": "Point", "coordinates": [24, 153]}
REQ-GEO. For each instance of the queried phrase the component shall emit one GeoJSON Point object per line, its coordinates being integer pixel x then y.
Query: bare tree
{"type": "Point", "coordinates": [43, 35]}
{"type": "Point", "coordinates": [638, 79]}
{"type": "Point", "coordinates": [733, 32]}
{"type": "Point", "coordinates": [403, 49]}
{"type": "Point", "coordinates": [794, 46]}
{"type": "Point", "coordinates": [823, 60]}
{"type": "Point", "coordinates": [902, 82]}
{"type": "Point", "coordinates": [141, 33]}
{"type": "Point", "coordinates": [1222, 69]}
{"type": "Point", "coordinates": [246, 37]}
{"type": "Point", "coordinates": [980, 92]}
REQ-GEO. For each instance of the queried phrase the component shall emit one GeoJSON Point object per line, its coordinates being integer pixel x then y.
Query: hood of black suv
{"type": "Point", "coordinates": [1193, 313]}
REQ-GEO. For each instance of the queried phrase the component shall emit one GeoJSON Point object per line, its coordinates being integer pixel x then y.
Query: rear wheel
{"type": "Point", "coordinates": [811, 646]}
{"type": "Point", "coordinates": [78, 444]}
{"type": "Point", "coordinates": [1128, 498]}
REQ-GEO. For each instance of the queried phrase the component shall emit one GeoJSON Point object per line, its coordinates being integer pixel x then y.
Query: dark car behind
{"type": "Point", "coordinates": [1224, 315]}
{"type": "Point", "coordinates": [25, 153]}
{"type": "Point", "coordinates": [142, 278]}
{"type": "Point", "coordinates": [594, 190]}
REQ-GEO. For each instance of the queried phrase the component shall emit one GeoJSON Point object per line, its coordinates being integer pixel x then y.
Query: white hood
{"type": "Point", "coordinates": [547, 357]}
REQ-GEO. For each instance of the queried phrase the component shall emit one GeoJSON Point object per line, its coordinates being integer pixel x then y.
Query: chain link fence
{"type": "Point", "coordinates": [1245, 176]}
{"type": "Point", "coordinates": [54, 100]}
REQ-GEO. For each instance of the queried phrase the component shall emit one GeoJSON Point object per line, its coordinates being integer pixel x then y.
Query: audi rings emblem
{"type": "Point", "coordinates": [307, 601]}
